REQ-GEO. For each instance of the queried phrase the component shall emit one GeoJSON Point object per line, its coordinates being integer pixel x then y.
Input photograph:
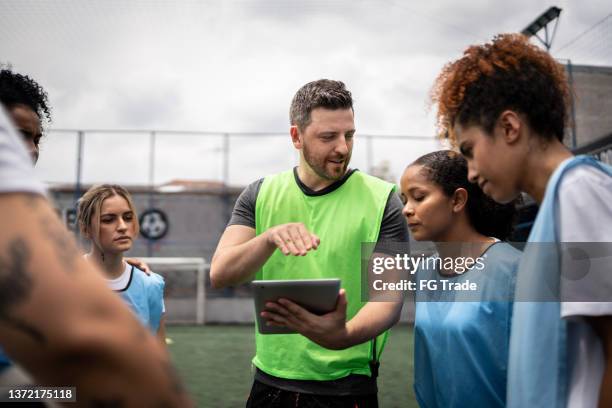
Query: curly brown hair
{"type": "Point", "coordinates": [507, 73]}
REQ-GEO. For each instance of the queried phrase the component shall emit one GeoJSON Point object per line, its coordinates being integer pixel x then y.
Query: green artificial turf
{"type": "Point", "coordinates": [215, 363]}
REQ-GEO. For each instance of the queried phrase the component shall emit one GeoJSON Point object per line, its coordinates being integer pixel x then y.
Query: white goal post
{"type": "Point", "coordinates": [169, 266]}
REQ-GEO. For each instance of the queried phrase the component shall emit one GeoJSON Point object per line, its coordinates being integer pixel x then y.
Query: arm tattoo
{"type": "Point", "coordinates": [16, 285]}
{"type": "Point", "coordinates": [65, 248]}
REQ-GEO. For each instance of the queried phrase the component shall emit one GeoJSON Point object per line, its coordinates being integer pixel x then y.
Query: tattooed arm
{"type": "Point", "coordinates": [62, 324]}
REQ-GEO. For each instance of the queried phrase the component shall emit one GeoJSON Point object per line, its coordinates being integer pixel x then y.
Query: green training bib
{"type": "Point", "coordinates": [342, 219]}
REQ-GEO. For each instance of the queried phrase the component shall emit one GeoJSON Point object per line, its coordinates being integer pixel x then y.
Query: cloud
{"type": "Point", "coordinates": [233, 66]}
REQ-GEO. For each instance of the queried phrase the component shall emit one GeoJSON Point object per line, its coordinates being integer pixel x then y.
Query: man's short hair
{"type": "Point", "coordinates": [324, 93]}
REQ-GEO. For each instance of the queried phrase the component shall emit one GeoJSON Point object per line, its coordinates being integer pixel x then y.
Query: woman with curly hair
{"type": "Point", "coordinates": [504, 104]}
{"type": "Point", "coordinates": [460, 343]}
{"type": "Point", "coordinates": [27, 104]}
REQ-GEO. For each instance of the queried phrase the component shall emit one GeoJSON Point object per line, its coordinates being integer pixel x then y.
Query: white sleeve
{"type": "Point", "coordinates": [16, 169]}
{"type": "Point", "coordinates": [585, 216]}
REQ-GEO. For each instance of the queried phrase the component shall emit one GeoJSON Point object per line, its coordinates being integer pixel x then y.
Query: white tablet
{"type": "Point", "coordinates": [318, 296]}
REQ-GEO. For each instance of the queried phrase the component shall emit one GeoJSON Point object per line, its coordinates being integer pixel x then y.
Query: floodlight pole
{"type": "Point", "coordinates": [542, 22]}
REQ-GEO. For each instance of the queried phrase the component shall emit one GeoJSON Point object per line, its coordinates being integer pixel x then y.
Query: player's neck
{"type": "Point", "coordinates": [460, 230]}
{"type": "Point", "coordinates": [541, 164]}
{"type": "Point", "coordinates": [462, 241]}
{"type": "Point", "coordinates": [111, 263]}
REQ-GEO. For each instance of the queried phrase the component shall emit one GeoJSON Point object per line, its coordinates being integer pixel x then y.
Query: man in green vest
{"type": "Point", "coordinates": [317, 215]}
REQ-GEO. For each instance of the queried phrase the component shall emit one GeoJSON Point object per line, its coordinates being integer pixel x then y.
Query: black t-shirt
{"type": "Point", "coordinates": [393, 228]}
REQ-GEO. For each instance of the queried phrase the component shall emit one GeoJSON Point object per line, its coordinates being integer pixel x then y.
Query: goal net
{"type": "Point", "coordinates": [184, 294]}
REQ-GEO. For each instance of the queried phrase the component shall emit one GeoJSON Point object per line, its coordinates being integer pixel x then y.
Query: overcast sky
{"type": "Point", "coordinates": [233, 66]}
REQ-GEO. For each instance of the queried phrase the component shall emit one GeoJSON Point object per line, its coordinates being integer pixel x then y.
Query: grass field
{"type": "Point", "coordinates": [215, 363]}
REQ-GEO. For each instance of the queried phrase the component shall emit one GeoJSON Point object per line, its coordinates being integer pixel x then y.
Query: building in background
{"type": "Point", "coordinates": [589, 130]}
{"type": "Point", "coordinates": [592, 105]}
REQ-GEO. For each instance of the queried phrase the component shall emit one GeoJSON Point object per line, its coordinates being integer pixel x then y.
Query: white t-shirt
{"type": "Point", "coordinates": [585, 215]}
{"type": "Point", "coordinates": [121, 282]}
{"type": "Point", "coordinates": [16, 169]}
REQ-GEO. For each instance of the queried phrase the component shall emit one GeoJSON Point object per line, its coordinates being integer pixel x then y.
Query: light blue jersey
{"type": "Point", "coordinates": [145, 295]}
{"type": "Point", "coordinates": [4, 361]}
{"type": "Point", "coordinates": [461, 347]}
{"type": "Point", "coordinates": [539, 373]}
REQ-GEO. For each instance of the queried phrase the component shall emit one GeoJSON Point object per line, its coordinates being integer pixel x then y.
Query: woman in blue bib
{"type": "Point", "coordinates": [505, 105]}
{"type": "Point", "coordinates": [461, 338]}
{"type": "Point", "coordinates": [107, 217]}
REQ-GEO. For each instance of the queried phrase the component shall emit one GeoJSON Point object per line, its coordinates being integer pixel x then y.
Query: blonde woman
{"type": "Point", "coordinates": [107, 217]}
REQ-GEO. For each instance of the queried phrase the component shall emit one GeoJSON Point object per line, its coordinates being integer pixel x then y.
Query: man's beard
{"type": "Point", "coordinates": [318, 165]}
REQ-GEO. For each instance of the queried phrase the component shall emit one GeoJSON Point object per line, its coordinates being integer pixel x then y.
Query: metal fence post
{"type": "Point", "coordinates": [79, 169]}
{"type": "Point", "coordinates": [369, 154]}
{"type": "Point", "coordinates": [152, 138]}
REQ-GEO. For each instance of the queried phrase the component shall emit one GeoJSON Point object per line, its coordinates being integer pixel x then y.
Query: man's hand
{"type": "Point", "coordinates": [292, 239]}
{"type": "Point", "coordinates": [241, 253]}
{"type": "Point", "coordinates": [329, 330]}
{"type": "Point", "coordinates": [139, 264]}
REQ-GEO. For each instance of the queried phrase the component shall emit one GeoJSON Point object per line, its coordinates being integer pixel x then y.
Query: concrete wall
{"type": "Point", "coordinates": [593, 102]}
{"type": "Point", "coordinates": [196, 221]}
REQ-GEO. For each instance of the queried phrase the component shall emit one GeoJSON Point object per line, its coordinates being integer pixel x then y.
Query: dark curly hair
{"type": "Point", "coordinates": [448, 169]}
{"type": "Point", "coordinates": [18, 89]}
{"type": "Point", "coordinates": [507, 73]}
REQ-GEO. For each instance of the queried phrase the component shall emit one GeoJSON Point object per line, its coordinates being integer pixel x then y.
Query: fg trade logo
{"type": "Point", "coordinates": [153, 224]}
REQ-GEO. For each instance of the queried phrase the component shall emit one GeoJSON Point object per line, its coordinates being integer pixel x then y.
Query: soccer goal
{"type": "Point", "coordinates": [185, 294]}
